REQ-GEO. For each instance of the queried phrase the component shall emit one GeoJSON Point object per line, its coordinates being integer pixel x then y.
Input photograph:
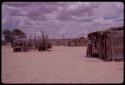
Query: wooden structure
{"type": "Point", "coordinates": [107, 44]}
{"type": "Point", "coordinates": [44, 45]}
{"type": "Point", "coordinates": [24, 45]}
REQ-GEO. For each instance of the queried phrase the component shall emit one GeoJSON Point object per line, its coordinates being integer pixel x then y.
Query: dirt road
{"type": "Point", "coordinates": [60, 65]}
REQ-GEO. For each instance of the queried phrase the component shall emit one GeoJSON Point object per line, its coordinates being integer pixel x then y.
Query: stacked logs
{"type": "Point", "coordinates": [20, 46]}
{"type": "Point", "coordinates": [106, 45]}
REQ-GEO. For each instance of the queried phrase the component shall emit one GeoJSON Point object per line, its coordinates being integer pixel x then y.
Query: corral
{"type": "Point", "coordinates": [23, 45]}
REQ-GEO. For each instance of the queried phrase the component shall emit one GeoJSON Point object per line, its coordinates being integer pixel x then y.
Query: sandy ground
{"type": "Point", "coordinates": [60, 65]}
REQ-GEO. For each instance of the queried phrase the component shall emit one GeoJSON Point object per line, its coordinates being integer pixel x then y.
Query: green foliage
{"type": "Point", "coordinates": [19, 33]}
{"type": "Point", "coordinates": [10, 35]}
{"type": "Point", "coordinates": [6, 32]}
{"type": "Point", "coordinates": [7, 35]}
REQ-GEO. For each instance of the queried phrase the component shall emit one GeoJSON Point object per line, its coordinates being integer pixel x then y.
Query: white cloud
{"type": "Point", "coordinates": [71, 18]}
{"type": "Point", "coordinates": [101, 20]}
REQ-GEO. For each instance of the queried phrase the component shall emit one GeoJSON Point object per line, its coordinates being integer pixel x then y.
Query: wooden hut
{"type": "Point", "coordinates": [107, 44]}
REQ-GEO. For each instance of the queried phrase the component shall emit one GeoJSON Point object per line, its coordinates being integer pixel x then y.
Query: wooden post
{"type": "Point", "coordinates": [46, 41]}
{"type": "Point", "coordinates": [35, 42]}
{"type": "Point", "coordinates": [29, 42]}
{"type": "Point", "coordinates": [63, 40]}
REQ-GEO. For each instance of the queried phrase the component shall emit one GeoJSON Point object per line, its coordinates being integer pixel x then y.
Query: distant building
{"type": "Point", "coordinates": [78, 42]}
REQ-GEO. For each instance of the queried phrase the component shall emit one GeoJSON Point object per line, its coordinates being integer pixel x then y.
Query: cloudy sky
{"type": "Point", "coordinates": [73, 19]}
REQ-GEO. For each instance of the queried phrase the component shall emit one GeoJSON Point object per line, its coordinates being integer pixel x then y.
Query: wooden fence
{"type": "Point", "coordinates": [24, 45]}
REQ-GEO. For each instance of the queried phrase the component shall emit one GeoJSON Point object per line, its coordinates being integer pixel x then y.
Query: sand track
{"type": "Point", "coordinates": [60, 65]}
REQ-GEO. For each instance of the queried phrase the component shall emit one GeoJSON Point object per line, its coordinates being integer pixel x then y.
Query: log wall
{"type": "Point", "coordinates": [106, 45]}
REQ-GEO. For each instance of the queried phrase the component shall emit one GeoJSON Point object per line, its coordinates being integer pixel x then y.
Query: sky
{"type": "Point", "coordinates": [71, 19]}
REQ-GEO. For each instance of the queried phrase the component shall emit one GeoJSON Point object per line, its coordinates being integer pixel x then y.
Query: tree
{"type": "Point", "coordinates": [18, 33]}
{"type": "Point", "coordinates": [10, 36]}
{"type": "Point", "coordinates": [7, 35]}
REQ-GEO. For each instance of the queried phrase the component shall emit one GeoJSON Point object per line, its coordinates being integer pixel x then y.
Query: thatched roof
{"type": "Point", "coordinates": [120, 28]}
{"type": "Point", "coordinates": [116, 28]}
